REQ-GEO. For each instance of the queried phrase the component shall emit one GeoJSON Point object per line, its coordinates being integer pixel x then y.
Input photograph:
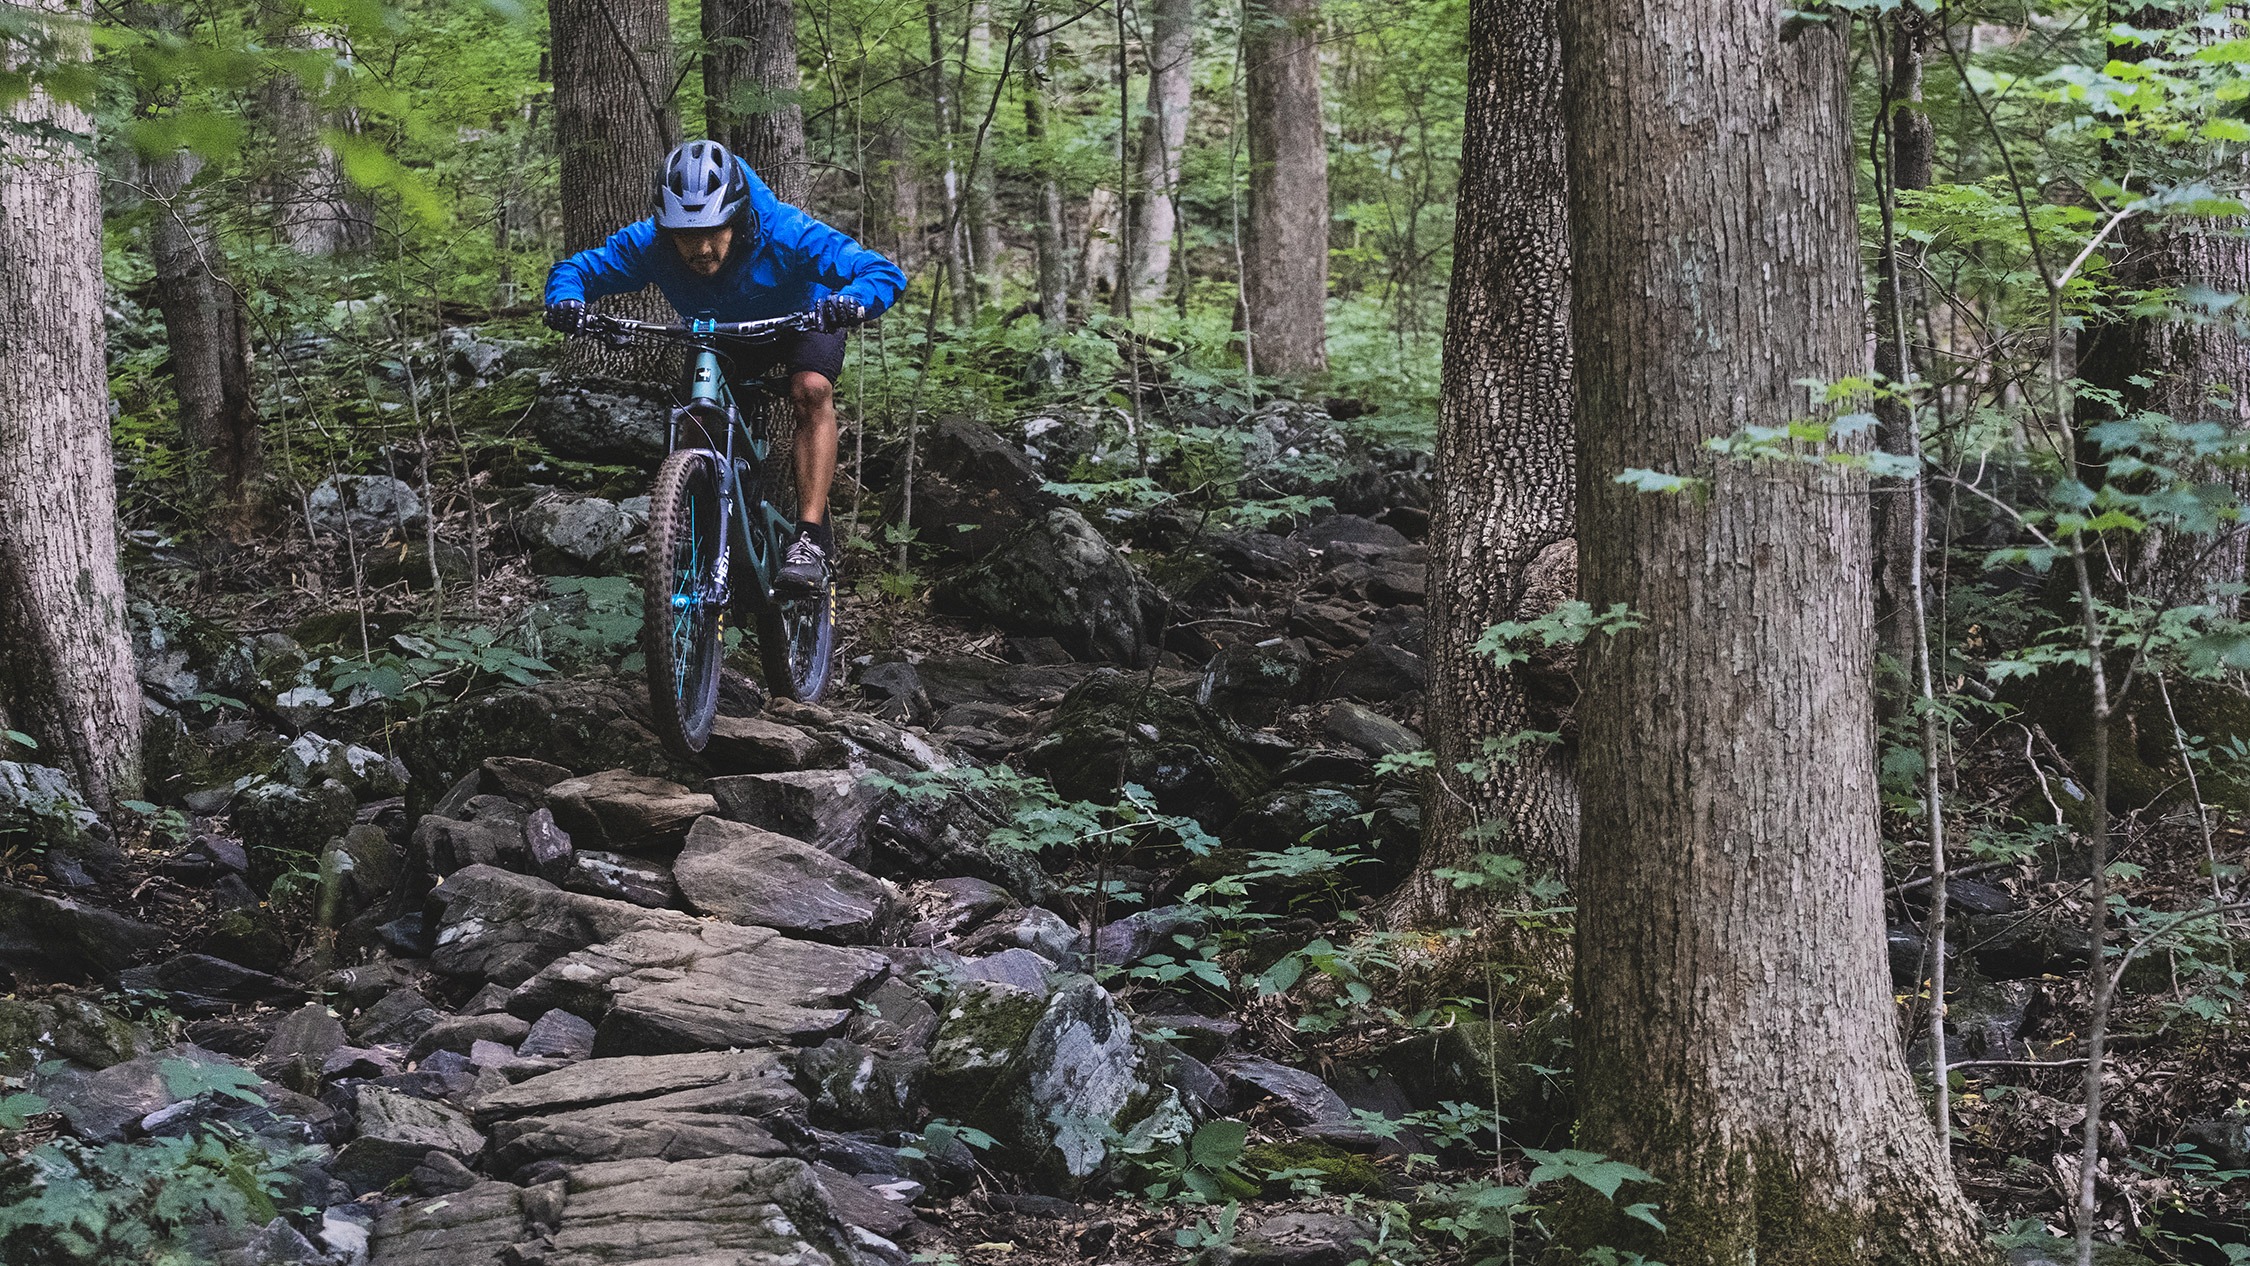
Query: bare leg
{"type": "Point", "coordinates": [815, 443]}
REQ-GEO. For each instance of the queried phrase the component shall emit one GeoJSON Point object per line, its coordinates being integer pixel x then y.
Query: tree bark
{"type": "Point", "coordinates": [1501, 536]}
{"type": "Point", "coordinates": [314, 205]}
{"type": "Point", "coordinates": [905, 186]}
{"type": "Point", "coordinates": [956, 229]}
{"type": "Point", "coordinates": [67, 677]}
{"type": "Point", "coordinates": [1285, 265]}
{"type": "Point", "coordinates": [208, 334]}
{"type": "Point", "coordinates": [1050, 233]}
{"type": "Point", "coordinates": [1171, 66]}
{"type": "Point", "coordinates": [987, 253]}
{"type": "Point", "coordinates": [750, 90]}
{"type": "Point", "coordinates": [614, 120]}
{"type": "Point", "coordinates": [1736, 1035]}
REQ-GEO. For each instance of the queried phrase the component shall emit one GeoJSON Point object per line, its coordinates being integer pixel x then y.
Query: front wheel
{"type": "Point", "coordinates": [797, 643]}
{"type": "Point", "coordinates": [681, 606]}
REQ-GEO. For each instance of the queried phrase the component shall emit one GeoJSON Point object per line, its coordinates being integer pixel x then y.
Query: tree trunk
{"type": "Point", "coordinates": [67, 677]}
{"type": "Point", "coordinates": [750, 90]}
{"type": "Point", "coordinates": [1737, 1038]}
{"type": "Point", "coordinates": [1050, 234]}
{"type": "Point", "coordinates": [1912, 145]}
{"type": "Point", "coordinates": [955, 228]}
{"type": "Point", "coordinates": [1500, 540]}
{"type": "Point", "coordinates": [985, 247]}
{"type": "Point", "coordinates": [208, 335]}
{"type": "Point", "coordinates": [1171, 65]}
{"type": "Point", "coordinates": [1285, 265]}
{"type": "Point", "coordinates": [906, 198]}
{"type": "Point", "coordinates": [314, 206]}
{"type": "Point", "coordinates": [614, 120]}
{"type": "Point", "coordinates": [1097, 253]}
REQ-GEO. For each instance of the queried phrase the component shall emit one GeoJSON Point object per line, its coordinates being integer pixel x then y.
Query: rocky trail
{"type": "Point", "coordinates": [563, 1000]}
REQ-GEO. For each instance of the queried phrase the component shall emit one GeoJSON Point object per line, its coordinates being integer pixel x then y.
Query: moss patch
{"type": "Point", "coordinates": [1340, 1171]}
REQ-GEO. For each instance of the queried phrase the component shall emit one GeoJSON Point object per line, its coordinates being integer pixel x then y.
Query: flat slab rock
{"type": "Point", "coordinates": [708, 986]}
{"type": "Point", "coordinates": [505, 927]}
{"type": "Point", "coordinates": [754, 876]}
{"type": "Point", "coordinates": [618, 808]}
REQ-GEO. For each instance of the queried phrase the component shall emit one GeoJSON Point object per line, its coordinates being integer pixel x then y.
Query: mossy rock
{"type": "Point", "coordinates": [254, 938]}
{"type": "Point", "coordinates": [1473, 1061]}
{"type": "Point", "coordinates": [1116, 728]}
{"type": "Point", "coordinates": [1341, 1172]}
{"type": "Point", "coordinates": [2144, 755]}
{"type": "Point", "coordinates": [66, 1027]}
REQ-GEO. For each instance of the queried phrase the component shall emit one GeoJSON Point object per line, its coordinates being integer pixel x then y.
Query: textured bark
{"type": "Point", "coordinates": [313, 204]}
{"type": "Point", "coordinates": [987, 253]}
{"type": "Point", "coordinates": [1050, 234]}
{"type": "Point", "coordinates": [67, 674]}
{"type": "Point", "coordinates": [614, 120]}
{"type": "Point", "coordinates": [1505, 461]}
{"type": "Point", "coordinates": [1911, 147]}
{"type": "Point", "coordinates": [208, 335]}
{"type": "Point", "coordinates": [1155, 218]}
{"type": "Point", "coordinates": [1737, 1037]}
{"type": "Point", "coordinates": [750, 87]}
{"type": "Point", "coordinates": [1285, 259]}
{"type": "Point", "coordinates": [905, 187]}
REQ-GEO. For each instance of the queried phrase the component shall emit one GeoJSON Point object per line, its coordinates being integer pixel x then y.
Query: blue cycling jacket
{"type": "Point", "coordinates": [793, 262]}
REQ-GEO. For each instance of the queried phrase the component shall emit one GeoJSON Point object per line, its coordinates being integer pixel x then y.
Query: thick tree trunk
{"type": "Point", "coordinates": [614, 120]}
{"type": "Point", "coordinates": [750, 87]}
{"type": "Point", "coordinates": [1050, 234]}
{"type": "Point", "coordinates": [208, 335]}
{"type": "Point", "coordinates": [1912, 146]}
{"type": "Point", "coordinates": [1285, 259]}
{"type": "Point", "coordinates": [1097, 252]}
{"type": "Point", "coordinates": [988, 254]}
{"type": "Point", "coordinates": [67, 675]}
{"type": "Point", "coordinates": [905, 186]}
{"type": "Point", "coordinates": [1505, 462]}
{"type": "Point", "coordinates": [1171, 65]}
{"type": "Point", "coordinates": [1737, 1037]}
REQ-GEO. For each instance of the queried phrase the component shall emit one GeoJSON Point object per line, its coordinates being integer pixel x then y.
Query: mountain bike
{"type": "Point", "coordinates": [715, 542]}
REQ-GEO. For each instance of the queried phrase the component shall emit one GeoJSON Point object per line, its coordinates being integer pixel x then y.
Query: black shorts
{"type": "Point", "coordinates": [799, 352]}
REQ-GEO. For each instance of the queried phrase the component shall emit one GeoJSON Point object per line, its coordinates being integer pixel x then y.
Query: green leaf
{"type": "Point", "coordinates": [1218, 1144]}
{"type": "Point", "coordinates": [187, 1078]}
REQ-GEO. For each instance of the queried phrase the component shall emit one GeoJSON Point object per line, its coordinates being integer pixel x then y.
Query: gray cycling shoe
{"type": "Point", "coordinates": [804, 568]}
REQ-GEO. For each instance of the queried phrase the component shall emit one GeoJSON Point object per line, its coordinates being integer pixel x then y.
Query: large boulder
{"type": "Point", "coordinates": [830, 809]}
{"type": "Point", "coordinates": [396, 1131]}
{"type": "Point", "coordinates": [707, 986]}
{"type": "Point", "coordinates": [671, 1107]}
{"type": "Point", "coordinates": [1059, 578]}
{"type": "Point", "coordinates": [754, 876]}
{"type": "Point", "coordinates": [1117, 728]}
{"type": "Point", "coordinates": [368, 505]}
{"type": "Point", "coordinates": [578, 530]}
{"type": "Point", "coordinates": [1056, 1080]}
{"type": "Point", "coordinates": [720, 1209]}
{"type": "Point", "coordinates": [619, 809]}
{"type": "Point", "coordinates": [38, 805]}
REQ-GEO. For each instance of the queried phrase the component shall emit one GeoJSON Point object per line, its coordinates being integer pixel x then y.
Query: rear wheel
{"type": "Point", "coordinates": [680, 614]}
{"type": "Point", "coordinates": [797, 643]}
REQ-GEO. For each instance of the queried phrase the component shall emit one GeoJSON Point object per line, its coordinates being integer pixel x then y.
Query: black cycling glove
{"type": "Point", "coordinates": [567, 315]}
{"type": "Point", "coordinates": [839, 312]}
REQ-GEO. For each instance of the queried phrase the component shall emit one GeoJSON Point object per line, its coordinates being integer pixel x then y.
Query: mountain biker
{"type": "Point", "coordinates": [721, 246]}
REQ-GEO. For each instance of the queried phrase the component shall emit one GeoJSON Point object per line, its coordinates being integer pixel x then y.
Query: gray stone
{"type": "Point", "coordinates": [444, 845]}
{"type": "Point", "coordinates": [757, 877]}
{"type": "Point", "coordinates": [397, 1019]}
{"type": "Point", "coordinates": [854, 1087]}
{"type": "Point", "coordinates": [1380, 674]}
{"type": "Point", "coordinates": [1303, 1100]}
{"type": "Point", "coordinates": [37, 802]}
{"type": "Point", "coordinates": [44, 933]}
{"type": "Point", "coordinates": [1125, 941]}
{"type": "Point", "coordinates": [395, 1132]}
{"type": "Point", "coordinates": [1254, 684]}
{"type": "Point", "coordinates": [1117, 727]}
{"type": "Point", "coordinates": [103, 1105]}
{"type": "Point", "coordinates": [558, 1035]}
{"type": "Point", "coordinates": [1057, 577]}
{"type": "Point", "coordinates": [1034, 928]}
{"type": "Point", "coordinates": [370, 505]}
{"type": "Point", "coordinates": [548, 844]}
{"type": "Point", "coordinates": [1368, 730]}
{"type": "Point", "coordinates": [309, 759]}
{"type": "Point", "coordinates": [724, 1119]}
{"type": "Point", "coordinates": [580, 528]}
{"type": "Point", "coordinates": [278, 818]}
{"type": "Point", "coordinates": [643, 881]}
{"type": "Point", "coordinates": [523, 777]}
{"type": "Point", "coordinates": [310, 1034]}
{"type": "Point", "coordinates": [1303, 1238]}
{"type": "Point", "coordinates": [619, 809]}
{"type": "Point", "coordinates": [621, 1078]}
{"type": "Point", "coordinates": [714, 985]}
{"type": "Point", "coordinates": [504, 927]}
{"type": "Point", "coordinates": [475, 1227]}
{"type": "Point", "coordinates": [830, 809]}
{"type": "Point", "coordinates": [857, 1205]}
{"type": "Point", "coordinates": [938, 909]}
{"type": "Point", "coordinates": [713, 1211]}
{"type": "Point", "coordinates": [758, 745]}
{"type": "Point", "coordinates": [1017, 967]}
{"type": "Point", "coordinates": [460, 1032]}
{"type": "Point", "coordinates": [1052, 1080]}
{"type": "Point", "coordinates": [610, 422]}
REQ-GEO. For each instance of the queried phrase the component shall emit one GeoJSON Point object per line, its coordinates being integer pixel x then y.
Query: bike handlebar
{"type": "Point", "coordinates": [622, 329]}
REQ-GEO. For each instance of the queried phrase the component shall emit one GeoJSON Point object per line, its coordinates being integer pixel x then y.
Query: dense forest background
{"type": "Point", "coordinates": [1476, 631]}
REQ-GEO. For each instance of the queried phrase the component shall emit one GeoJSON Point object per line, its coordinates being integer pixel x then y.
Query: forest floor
{"type": "Point", "coordinates": [1074, 878]}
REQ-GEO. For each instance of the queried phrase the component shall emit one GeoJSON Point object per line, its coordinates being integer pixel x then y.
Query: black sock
{"type": "Point", "coordinates": [817, 529]}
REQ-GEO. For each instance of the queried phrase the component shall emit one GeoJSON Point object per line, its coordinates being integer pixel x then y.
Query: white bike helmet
{"type": "Point", "coordinates": [700, 187]}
